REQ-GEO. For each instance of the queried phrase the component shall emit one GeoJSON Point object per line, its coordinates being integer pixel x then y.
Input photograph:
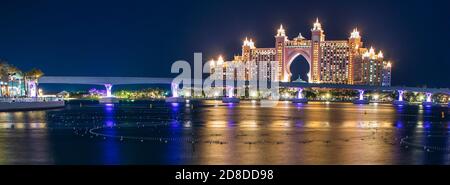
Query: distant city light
{"type": "Point", "coordinates": [376, 96]}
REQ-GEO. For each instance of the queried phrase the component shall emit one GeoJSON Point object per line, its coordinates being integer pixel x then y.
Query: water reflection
{"type": "Point", "coordinates": [24, 138]}
{"type": "Point", "coordinates": [110, 146]}
{"type": "Point", "coordinates": [176, 131]}
{"type": "Point", "coordinates": [214, 133]}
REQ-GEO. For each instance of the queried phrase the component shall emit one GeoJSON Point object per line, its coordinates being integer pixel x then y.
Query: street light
{"type": "Point", "coordinates": [376, 96]}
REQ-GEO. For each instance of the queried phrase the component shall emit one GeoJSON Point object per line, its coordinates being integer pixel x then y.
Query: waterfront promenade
{"type": "Point", "coordinates": [19, 104]}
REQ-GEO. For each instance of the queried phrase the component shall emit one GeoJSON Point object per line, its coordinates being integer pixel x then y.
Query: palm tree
{"type": "Point", "coordinates": [4, 77]}
{"type": "Point", "coordinates": [4, 70]}
{"type": "Point", "coordinates": [34, 73]}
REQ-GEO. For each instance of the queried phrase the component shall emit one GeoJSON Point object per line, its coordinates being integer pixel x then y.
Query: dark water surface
{"type": "Point", "coordinates": [214, 133]}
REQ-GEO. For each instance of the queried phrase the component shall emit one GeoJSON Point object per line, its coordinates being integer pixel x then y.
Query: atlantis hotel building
{"type": "Point", "coordinates": [330, 61]}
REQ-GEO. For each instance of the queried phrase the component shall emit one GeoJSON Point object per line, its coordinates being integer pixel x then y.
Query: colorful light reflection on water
{"type": "Point", "coordinates": [244, 133]}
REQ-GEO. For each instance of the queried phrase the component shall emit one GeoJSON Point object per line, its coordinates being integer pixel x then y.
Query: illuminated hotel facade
{"type": "Point", "coordinates": [330, 61]}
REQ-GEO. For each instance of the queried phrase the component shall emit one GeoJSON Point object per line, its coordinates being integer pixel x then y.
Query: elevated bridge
{"type": "Point", "coordinates": [109, 82]}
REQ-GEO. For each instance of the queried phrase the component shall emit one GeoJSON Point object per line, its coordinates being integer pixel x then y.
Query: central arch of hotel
{"type": "Point", "coordinates": [290, 55]}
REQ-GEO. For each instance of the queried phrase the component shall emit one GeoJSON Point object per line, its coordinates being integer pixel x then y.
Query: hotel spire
{"type": "Point", "coordinates": [355, 34]}
{"type": "Point", "coordinates": [317, 25]}
{"type": "Point", "coordinates": [281, 32]}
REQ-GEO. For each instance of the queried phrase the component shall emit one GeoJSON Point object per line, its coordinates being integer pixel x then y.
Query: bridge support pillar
{"type": "Point", "coordinates": [361, 99]}
{"type": "Point", "coordinates": [299, 98]}
{"type": "Point", "coordinates": [400, 101]}
{"type": "Point", "coordinates": [108, 90]}
{"type": "Point", "coordinates": [428, 102]}
{"type": "Point", "coordinates": [230, 96]}
{"type": "Point", "coordinates": [109, 98]}
{"type": "Point", "coordinates": [175, 98]}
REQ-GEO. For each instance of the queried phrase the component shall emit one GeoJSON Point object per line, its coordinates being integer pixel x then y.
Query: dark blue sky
{"type": "Point", "coordinates": [143, 38]}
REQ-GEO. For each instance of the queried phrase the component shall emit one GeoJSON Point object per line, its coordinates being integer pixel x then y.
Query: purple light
{"type": "Point", "coordinates": [174, 124]}
{"type": "Point", "coordinates": [32, 88]}
{"type": "Point", "coordinates": [230, 92]}
{"type": "Point", "coordinates": [299, 93]}
{"type": "Point", "coordinates": [109, 123]}
{"type": "Point", "coordinates": [399, 125]}
{"type": "Point", "coordinates": [109, 108]}
{"type": "Point", "coordinates": [108, 90]}
{"type": "Point", "coordinates": [400, 105]}
{"type": "Point", "coordinates": [400, 95]}
{"type": "Point", "coordinates": [230, 123]}
{"type": "Point", "coordinates": [429, 97]}
{"type": "Point", "coordinates": [94, 91]}
{"type": "Point", "coordinates": [299, 123]}
{"type": "Point", "coordinates": [174, 104]}
{"type": "Point", "coordinates": [361, 94]}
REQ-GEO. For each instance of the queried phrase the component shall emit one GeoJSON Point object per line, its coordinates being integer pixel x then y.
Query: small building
{"type": "Point", "coordinates": [63, 94]}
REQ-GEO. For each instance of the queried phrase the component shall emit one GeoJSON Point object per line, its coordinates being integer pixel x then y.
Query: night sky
{"type": "Point", "coordinates": [143, 38]}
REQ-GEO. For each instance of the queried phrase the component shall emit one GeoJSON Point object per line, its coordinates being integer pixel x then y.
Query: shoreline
{"type": "Point", "coordinates": [247, 100]}
{"type": "Point", "coordinates": [27, 106]}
